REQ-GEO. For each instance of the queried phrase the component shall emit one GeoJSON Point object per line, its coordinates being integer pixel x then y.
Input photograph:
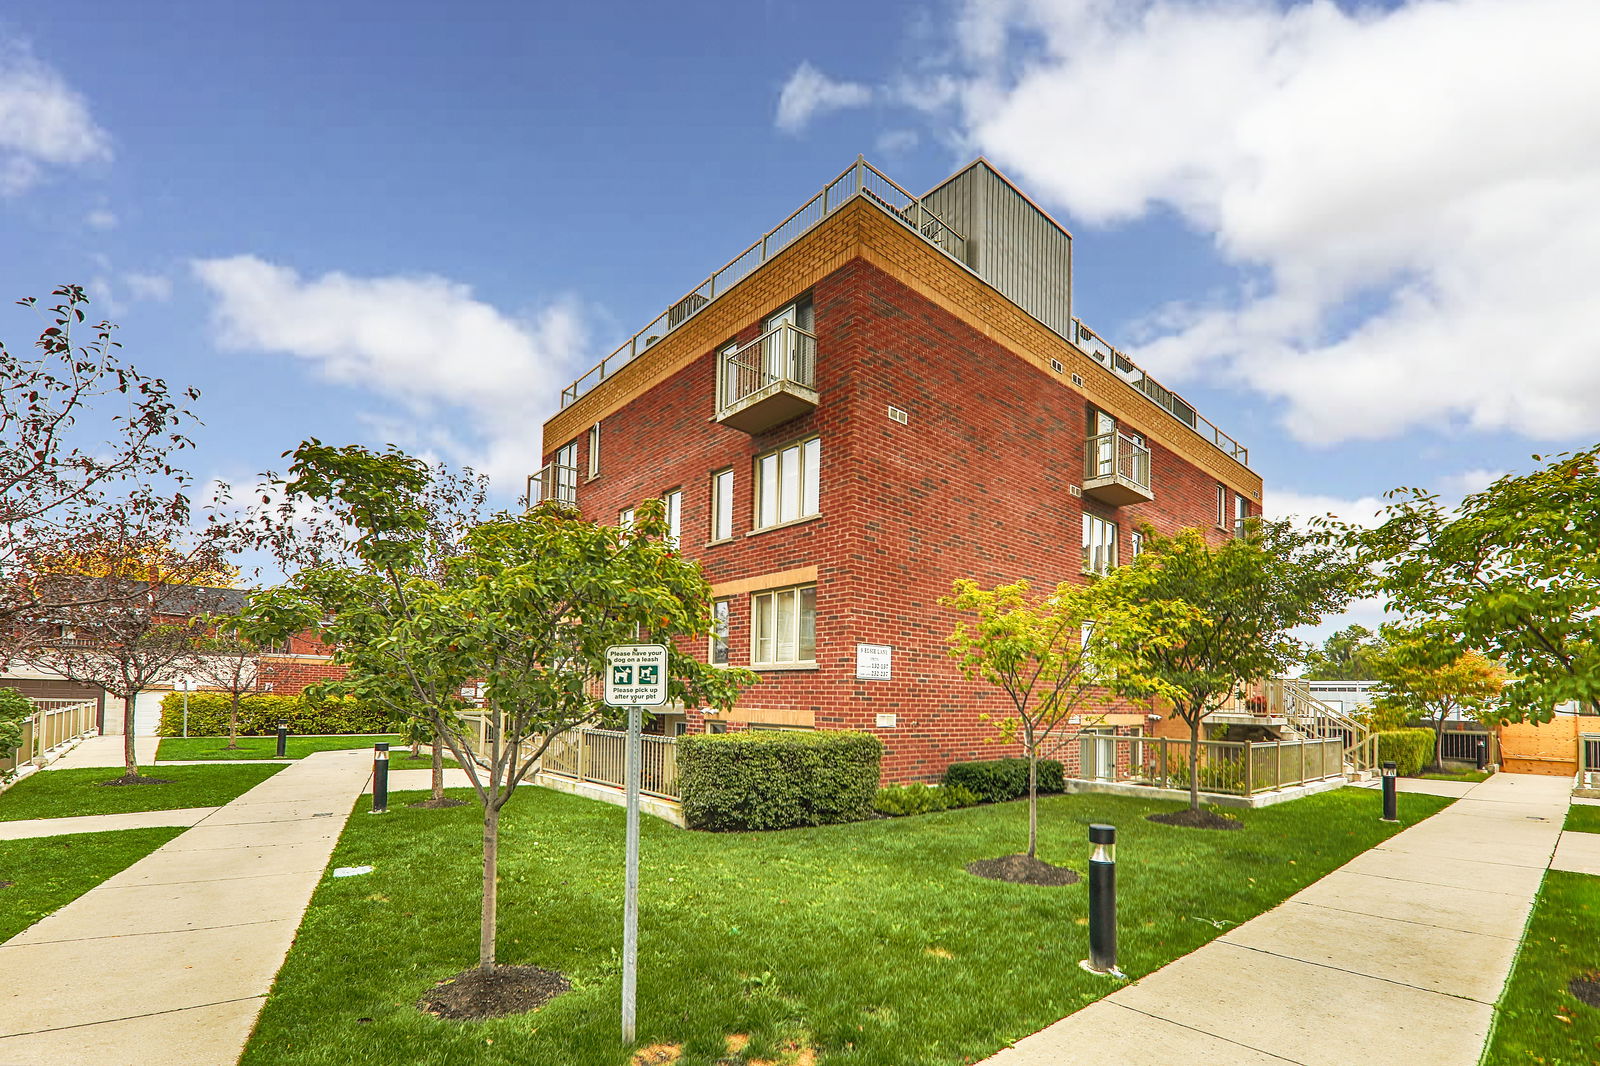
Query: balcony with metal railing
{"type": "Point", "coordinates": [1117, 470]}
{"type": "Point", "coordinates": [554, 481]}
{"type": "Point", "coordinates": [768, 381]}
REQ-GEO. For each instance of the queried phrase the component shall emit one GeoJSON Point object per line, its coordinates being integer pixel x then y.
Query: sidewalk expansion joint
{"type": "Point", "coordinates": [131, 1017]}
{"type": "Point", "coordinates": [1407, 921]}
{"type": "Point", "coordinates": [1204, 1032]}
{"type": "Point", "coordinates": [1359, 973]}
{"type": "Point", "coordinates": [147, 932]}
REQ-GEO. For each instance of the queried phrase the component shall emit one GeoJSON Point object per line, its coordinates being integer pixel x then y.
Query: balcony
{"type": "Point", "coordinates": [1116, 470]}
{"type": "Point", "coordinates": [554, 481]}
{"type": "Point", "coordinates": [768, 381]}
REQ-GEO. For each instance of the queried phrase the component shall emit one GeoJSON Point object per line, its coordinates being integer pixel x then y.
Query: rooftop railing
{"type": "Point", "coordinates": [859, 179]}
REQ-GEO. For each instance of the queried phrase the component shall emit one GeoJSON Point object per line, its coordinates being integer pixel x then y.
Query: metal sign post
{"type": "Point", "coordinates": [636, 676]}
{"type": "Point", "coordinates": [184, 687]}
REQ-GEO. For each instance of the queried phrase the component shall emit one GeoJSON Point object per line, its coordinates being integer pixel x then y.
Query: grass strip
{"type": "Point", "coordinates": [1538, 1019]}
{"type": "Point", "coordinates": [1583, 818]}
{"type": "Point", "coordinates": [47, 873]}
{"type": "Point", "coordinates": [1473, 776]}
{"type": "Point", "coordinates": [73, 793]}
{"type": "Point", "coordinates": [867, 942]}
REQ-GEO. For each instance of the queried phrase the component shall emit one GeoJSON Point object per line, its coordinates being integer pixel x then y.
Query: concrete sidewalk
{"type": "Point", "coordinates": [1398, 956]}
{"type": "Point", "coordinates": [29, 828]}
{"type": "Point", "coordinates": [105, 751]}
{"type": "Point", "coordinates": [170, 960]}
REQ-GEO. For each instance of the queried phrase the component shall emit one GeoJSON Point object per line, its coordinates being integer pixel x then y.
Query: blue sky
{"type": "Point", "coordinates": [1357, 237]}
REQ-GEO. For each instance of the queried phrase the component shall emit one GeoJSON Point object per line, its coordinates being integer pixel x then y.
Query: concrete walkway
{"type": "Point", "coordinates": [105, 751]}
{"type": "Point", "coordinates": [170, 960]}
{"type": "Point", "coordinates": [1398, 956]}
{"type": "Point", "coordinates": [28, 828]}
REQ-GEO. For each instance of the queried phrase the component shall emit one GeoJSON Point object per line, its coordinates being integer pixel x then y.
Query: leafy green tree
{"type": "Point", "coordinates": [1514, 570]}
{"type": "Point", "coordinates": [1052, 657]}
{"type": "Point", "coordinates": [1345, 656]}
{"type": "Point", "coordinates": [15, 708]}
{"type": "Point", "coordinates": [1429, 678]}
{"type": "Point", "coordinates": [1251, 591]}
{"type": "Point", "coordinates": [523, 604]}
{"type": "Point", "coordinates": [228, 661]}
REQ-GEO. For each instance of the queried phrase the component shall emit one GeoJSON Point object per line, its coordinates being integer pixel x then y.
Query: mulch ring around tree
{"type": "Point", "coordinates": [1586, 987]}
{"type": "Point", "coordinates": [134, 778]}
{"type": "Point", "coordinates": [1196, 820]}
{"type": "Point", "coordinates": [436, 804]}
{"type": "Point", "coordinates": [1022, 870]}
{"type": "Point", "coordinates": [475, 995]}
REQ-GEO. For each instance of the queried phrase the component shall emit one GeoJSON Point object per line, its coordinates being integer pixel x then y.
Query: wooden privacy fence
{"type": "Point", "coordinates": [1546, 747]}
{"type": "Point", "coordinates": [1237, 768]}
{"type": "Point", "coordinates": [597, 756]}
{"type": "Point", "coordinates": [53, 724]}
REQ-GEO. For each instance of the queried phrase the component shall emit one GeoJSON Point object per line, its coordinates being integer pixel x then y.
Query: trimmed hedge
{"type": "Point", "coordinates": [899, 800]}
{"type": "Point", "coordinates": [998, 780]}
{"type": "Point", "coordinates": [1409, 749]}
{"type": "Point", "coordinates": [777, 780]}
{"type": "Point", "coordinates": [260, 713]}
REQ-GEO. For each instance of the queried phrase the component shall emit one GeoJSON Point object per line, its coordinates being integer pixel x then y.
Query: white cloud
{"type": "Point", "coordinates": [43, 122]}
{"type": "Point", "coordinates": [1414, 193]}
{"type": "Point", "coordinates": [1302, 507]}
{"type": "Point", "coordinates": [424, 341]}
{"type": "Point", "coordinates": [809, 93]}
{"type": "Point", "coordinates": [156, 287]}
{"type": "Point", "coordinates": [100, 218]}
{"type": "Point", "coordinates": [897, 142]}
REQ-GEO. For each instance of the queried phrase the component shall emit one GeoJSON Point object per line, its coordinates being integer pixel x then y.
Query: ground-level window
{"type": "Point", "coordinates": [1099, 544]}
{"type": "Point", "coordinates": [718, 655]}
{"type": "Point", "coordinates": [722, 505]}
{"type": "Point", "coordinates": [787, 485]}
{"type": "Point", "coordinates": [784, 627]}
{"type": "Point", "coordinates": [716, 727]}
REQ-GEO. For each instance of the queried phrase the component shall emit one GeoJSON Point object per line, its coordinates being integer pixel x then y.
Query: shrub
{"type": "Point", "coordinates": [997, 780]}
{"type": "Point", "coordinates": [898, 800]}
{"type": "Point", "coordinates": [777, 780]}
{"type": "Point", "coordinates": [1408, 749]}
{"type": "Point", "coordinates": [260, 713]}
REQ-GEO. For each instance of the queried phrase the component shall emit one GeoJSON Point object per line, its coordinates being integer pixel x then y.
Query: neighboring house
{"type": "Point", "coordinates": [1349, 697]}
{"type": "Point", "coordinates": [883, 395]}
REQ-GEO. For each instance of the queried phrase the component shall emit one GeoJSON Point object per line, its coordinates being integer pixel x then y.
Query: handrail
{"type": "Point", "coordinates": [553, 481]}
{"type": "Point", "coordinates": [1116, 454]}
{"type": "Point", "coordinates": [783, 353]}
{"type": "Point", "coordinates": [858, 179]}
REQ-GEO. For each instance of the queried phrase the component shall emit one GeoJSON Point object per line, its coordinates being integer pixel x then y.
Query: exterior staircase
{"type": "Point", "coordinates": [1286, 709]}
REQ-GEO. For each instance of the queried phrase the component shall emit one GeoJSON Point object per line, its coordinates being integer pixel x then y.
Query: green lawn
{"type": "Point", "coordinates": [1583, 818]}
{"type": "Point", "coordinates": [70, 793]}
{"type": "Point", "coordinates": [179, 749]}
{"type": "Point", "coordinates": [1538, 1020]}
{"type": "Point", "coordinates": [50, 872]}
{"type": "Point", "coordinates": [1473, 776]}
{"type": "Point", "coordinates": [868, 941]}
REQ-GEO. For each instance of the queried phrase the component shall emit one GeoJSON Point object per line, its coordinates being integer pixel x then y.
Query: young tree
{"type": "Point", "coordinates": [15, 708]}
{"type": "Point", "coordinates": [1513, 571]}
{"type": "Point", "coordinates": [1250, 592]}
{"type": "Point", "coordinates": [1345, 656]}
{"type": "Point", "coordinates": [1053, 656]}
{"type": "Point", "coordinates": [228, 661]}
{"type": "Point", "coordinates": [523, 604]}
{"type": "Point", "coordinates": [66, 460]}
{"type": "Point", "coordinates": [1427, 677]}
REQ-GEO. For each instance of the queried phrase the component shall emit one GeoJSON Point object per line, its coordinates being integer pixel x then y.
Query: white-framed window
{"type": "Point", "coordinates": [674, 506]}
{"type": "Point", "coordinates": [594, 450]}
{"type": "Point", "coordinates": [722, 504]}
{"type": "Point", "coordinates": [625, 519]}
{"type": "Point", "coordinates": [1099, 544]}
{"type": "Point", "coordinates": [1135, 544]}
{"type": "Point", "coordinates": [1241, 511]}
{"type": "Point", "coordinates": [566, 486]}
{"type": "Point", "coordinates": [783, 630]}
{"type": "Point", "coordinates": [716, 727]}
{"type": "Point", "coordinates": [787, 485]}
{"type": "Point", "coordinates": [1222, 505]}
{"type": "Point", "coordinates": [718, 653]}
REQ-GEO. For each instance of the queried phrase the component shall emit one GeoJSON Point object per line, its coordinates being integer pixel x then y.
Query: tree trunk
{"type": "Point", "coordinates": [1033, 796]}
{"type": "Point", "coordinates": [233, 721]}
{"type": "Point", "coordinates": [438, 770]}
{"type": "Point", "coordinates": [129, 759]}
{"type": "Point", "coordinates": [1438, 743]}
{"type": "Point", "coordinates": [491, 857]}
{"type": "Point", "coordinates": [1194, 762]}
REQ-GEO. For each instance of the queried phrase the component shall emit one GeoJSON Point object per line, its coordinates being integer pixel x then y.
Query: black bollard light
{"type": "Point", "coordinates": [1389, 807]}
{"type": "Point", "coordinates": [283, 740]}
{"type": "Point", "coordinates": [1483, 754]}
{"type": "Point", "coordinates": [1103, 901]}
{"type": "Point", "coordinates": [380, 778]}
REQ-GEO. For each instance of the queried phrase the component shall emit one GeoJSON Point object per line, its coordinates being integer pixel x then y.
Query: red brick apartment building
{"type": "Point", "coordinates": [882, 395]}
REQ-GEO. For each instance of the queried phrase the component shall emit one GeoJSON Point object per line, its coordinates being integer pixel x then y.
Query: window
{"type": "Point", "coordinates": [1241, 511]}
{"type": "Point", "coordinates": [625, 520]}
{"type": "Point", "coordinates": [718, 654]}
{"type": "Point", "coordinates": [722, 505]}
{"type": "Point", "coordinates": [1099, 544]}
{"type": "Point", "coordinates": [594, 450]}
{"type": "Point", "coordinates": [1222, 505]}
{"type": "Point", "coordinates": [787, 484]}
{"type": "Point", "coordinates": [566, 481]}
{"type": "Point", "coordinates": [716, 727]}
{"type": "Point", "coordinates": [784, 628]}
{"type": "Point", "coordinates": [1136, 540]}
{"type": "Point", "coordinates": [674, 503]}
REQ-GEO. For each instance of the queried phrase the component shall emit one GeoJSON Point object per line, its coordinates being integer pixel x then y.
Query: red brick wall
{"type": "Point", "coordinates": [976, 485]}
